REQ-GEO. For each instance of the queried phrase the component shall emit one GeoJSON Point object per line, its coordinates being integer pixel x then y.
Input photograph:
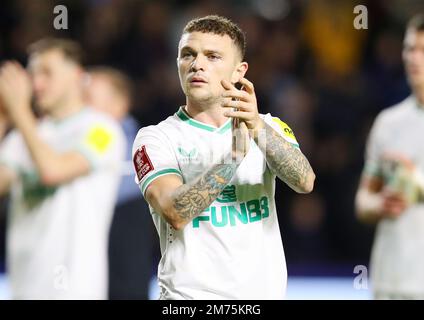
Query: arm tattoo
{"type": "Point", "coordinates": [191, 199]}
{"type": "Point", "coordinates": [287, 161]}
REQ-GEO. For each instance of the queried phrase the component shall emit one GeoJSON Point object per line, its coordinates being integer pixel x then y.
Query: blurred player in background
{"type": "Point", "coordinates": [130, 240]}
{"type": "Point", "coordinates": [4, 123]}
{"type": "Point", "coordinates": [392, 184]}
{"type": "Point", "coordinates": [62, 173]}
{"type": "Point", "coordinates": [210, 188]}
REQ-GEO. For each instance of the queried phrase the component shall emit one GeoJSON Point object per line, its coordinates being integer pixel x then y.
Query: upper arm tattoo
{"type": "Point", "coordinates": [287, 161]}
{"type": "Point", "coordinates": [191, 199]}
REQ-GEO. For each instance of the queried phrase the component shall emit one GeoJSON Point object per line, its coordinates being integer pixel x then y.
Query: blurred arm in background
{"type": "Point", "coordinates": [15, 93]}
{"type": "Point", "coordinates": [381, 197]}
{"type": "Point", "coordinates": [4, 123]}
{"type": "Point", "coordinates": [6, 175]}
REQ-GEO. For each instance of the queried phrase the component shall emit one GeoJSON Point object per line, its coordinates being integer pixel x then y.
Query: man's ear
{"type": "Point", "coordinates": [239, 72]}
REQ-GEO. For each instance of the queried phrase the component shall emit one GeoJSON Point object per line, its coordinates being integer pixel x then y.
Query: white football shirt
{"type": "Point", "coordinates": [397, 260]}
{"type": "Point", "coordinates": [57, 236]}
{"type": "Point", "coordinates": [233, 249]}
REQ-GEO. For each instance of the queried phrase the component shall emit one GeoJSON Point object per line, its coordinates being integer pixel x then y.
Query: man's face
{"type": "Point", "coordinates": [53, 76]}
{"type": "Point", "coordinates": [204, 59]}
{"type": "Point", "coordinates": [99, 93]}
{"type": "Point", "coordinates": [413, 57]}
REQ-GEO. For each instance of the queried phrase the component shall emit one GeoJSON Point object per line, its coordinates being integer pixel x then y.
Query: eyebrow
{"type": "Point", "coordinates": [190, 49]}
{"type": "Point", "coordinates": [186, 48]}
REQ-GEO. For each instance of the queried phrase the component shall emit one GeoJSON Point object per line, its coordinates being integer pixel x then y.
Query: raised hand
{"type": "Point", "coordinates": [15, 89]}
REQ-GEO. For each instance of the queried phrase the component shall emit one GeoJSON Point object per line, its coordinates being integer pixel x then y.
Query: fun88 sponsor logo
{"type": "Point", "coordinates": [232, 215]}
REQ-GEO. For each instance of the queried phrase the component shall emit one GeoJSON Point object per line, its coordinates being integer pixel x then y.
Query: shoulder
{"type": "Point", "coordinates": [91, 117]}
{"type": "Point", "coordinates": [167, 127]}
{"type": "Point", "coordinates": [100, 132]}
{"type": "Point", "coordinates": [156, 137]}
{"type": "Point", "coordinates": [281, 127]}
{"type": "Point", "coordinates": [396, 113]}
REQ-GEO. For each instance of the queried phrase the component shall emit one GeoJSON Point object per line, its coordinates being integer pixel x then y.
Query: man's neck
{"type": "Point", "coordinates": [419, 95]}
{"type": "Point", "coordinates": [67, 108]}
{"type": "Point", "coordinates": [212, 114]}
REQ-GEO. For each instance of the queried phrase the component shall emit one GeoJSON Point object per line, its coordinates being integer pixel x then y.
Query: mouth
{"type": "Point", "coordinates": [414, 70]}
{"type": "Point", "coordinates": [197, 80]}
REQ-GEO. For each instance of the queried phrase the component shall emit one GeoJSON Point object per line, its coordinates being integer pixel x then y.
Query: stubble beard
{"type": "Point", "coordinates": [203, 100]}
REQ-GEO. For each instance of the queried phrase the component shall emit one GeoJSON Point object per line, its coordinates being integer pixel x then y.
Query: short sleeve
{"type": "Point", "coordinates": [11, 152]}
{"type": "Point", "coordinates": [153, 157]}
{"type": "Point", "coordinates": [102, 143]}
{"type": "Point", "coordinates": [282, 128]}
{"type": "Point", "coordinates": [374, 149]}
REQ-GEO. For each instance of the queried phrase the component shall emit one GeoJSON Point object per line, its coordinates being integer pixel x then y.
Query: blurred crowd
{"type": "Point", "coordinates": [309, 65]}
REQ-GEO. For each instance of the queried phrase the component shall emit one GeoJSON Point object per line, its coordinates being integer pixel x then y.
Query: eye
{"type": "Point", "coordinates": [214, 56]}
{"type": "Point", "coordinates": [186, 54]}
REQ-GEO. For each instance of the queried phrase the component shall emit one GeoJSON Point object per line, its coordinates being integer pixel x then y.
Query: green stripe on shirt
{"type": "Point", "coordinates": [163, 172]}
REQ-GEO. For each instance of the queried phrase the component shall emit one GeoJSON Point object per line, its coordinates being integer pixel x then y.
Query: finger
{"type": "Point", "coordinates": [397, 211]}
{"type": "Point", "coordinates": [238, 115]}
{"type": "Point", "coordinates": [237, 94]}
{"type": "Point", "coordinates": [395, 206]}
{"type": "Point", "coordinates": [21, 70]}
{"type": "Point", "coordinates": [399, 158]}
{"type": "Point", "coordinates": [8, 73]}
{"type": "Point", "coordinates": [18, 70]}
{"type": "Point", "coordinates": [390, 212]}
{"type": "Point", "coordinates": [395, 198]}
{"type": "Point", "coordinates": [239, 105]}
{"type": "Point", "coordinates": [243, 126]}
{"type": "Point", "coordinates": [395, 202]}
{"type": "Point", "coordinates": [247, 85]}
{"type": "Point", "coordinates": [390, 193]}
{"type": "Point", "coordinates": [227, 84]}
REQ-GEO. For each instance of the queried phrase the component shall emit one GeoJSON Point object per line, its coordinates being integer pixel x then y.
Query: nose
{"type": "Point", "coordinates": [414, 56]}
{"type": "Point", "coordinates": [198, 64]}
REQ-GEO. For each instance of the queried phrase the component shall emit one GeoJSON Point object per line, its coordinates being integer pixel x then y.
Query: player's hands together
{"type": "Point", "coordinates": [244, 101]}
{"type": "Point", "coordinates": [15, 89]}
{"type": "Point", "coordinates": [393, 203]}
{"type": "Point", "coordinates": [400, 189]}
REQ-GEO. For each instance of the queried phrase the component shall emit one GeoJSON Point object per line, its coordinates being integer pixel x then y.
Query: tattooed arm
{"type": "Point", "coordinates": [287, 161]}
{"type": "Point", "coordinates": [179, 203]}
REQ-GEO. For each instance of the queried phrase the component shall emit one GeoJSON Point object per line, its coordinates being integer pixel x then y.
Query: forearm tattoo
{"type": "Point", "coordinates": [191, 199]}
{"type": "Point", "coordinates": [287, 161]}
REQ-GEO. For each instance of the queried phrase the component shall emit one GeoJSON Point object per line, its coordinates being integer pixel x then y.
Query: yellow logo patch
{"type": "Point", "coordinates": [99, 139]}
{"type": "Point", "coordinates": [285, 128]}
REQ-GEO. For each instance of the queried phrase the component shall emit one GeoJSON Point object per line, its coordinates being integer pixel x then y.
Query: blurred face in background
{"type": "Point", "coordinates": [204, 59]}
{"type": "Point", "coordinates": [2, 112]}
{"type": "Point", "coordinates": [102, 96]}
{"type": "Point", "coordinates": [413, 57]}
{"type": "Point", "coordinates": [54, 78]}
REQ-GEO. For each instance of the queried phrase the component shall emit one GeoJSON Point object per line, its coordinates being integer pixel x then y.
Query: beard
{"type": "Point", "coordinates": [202, 96]}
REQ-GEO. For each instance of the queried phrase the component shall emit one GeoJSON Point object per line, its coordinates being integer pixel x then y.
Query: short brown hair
{"type": "Point", "coordinates": [221, 26]}
{"type": "Point", "coordinates": [117, 79]}
{"type": "Point", "coordinates": [70, 49]}
{"type": "Point", "coordinates": [417, 22]}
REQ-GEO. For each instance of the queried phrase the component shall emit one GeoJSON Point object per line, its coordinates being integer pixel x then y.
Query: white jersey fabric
{"type": "Point", "coordinates": [233, 250]}
{"type": "Point", "coordinates": [397, 260]}
{"type": "Point", "coordinates": [57, 236]}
